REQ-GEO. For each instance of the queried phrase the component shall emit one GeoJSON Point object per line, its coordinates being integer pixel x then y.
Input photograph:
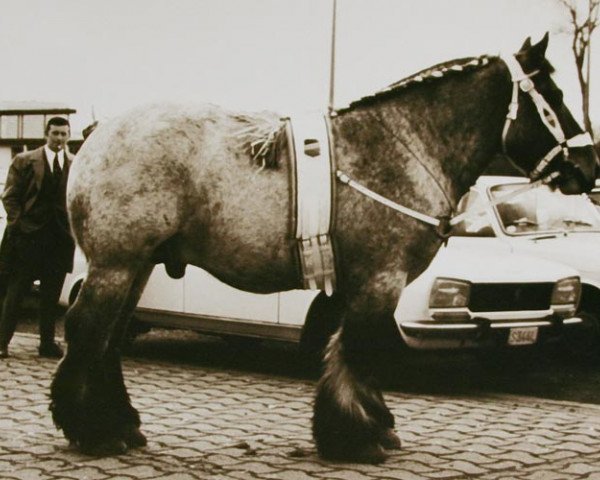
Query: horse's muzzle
{"type": "Point", "coordinates": [573, 180]}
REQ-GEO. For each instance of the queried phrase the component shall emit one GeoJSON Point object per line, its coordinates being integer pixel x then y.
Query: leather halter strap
{"type": "Point", "coordinates": [522, 82]}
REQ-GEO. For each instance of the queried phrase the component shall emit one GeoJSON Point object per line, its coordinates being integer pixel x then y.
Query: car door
{"type": "Point", "coordinates": [163, 292]}
{"type": "Point", "coordinates": [205, 295]}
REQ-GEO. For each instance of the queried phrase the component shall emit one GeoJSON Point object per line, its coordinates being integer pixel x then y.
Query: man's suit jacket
{"type": "Point", "coordinates": [23, 185]}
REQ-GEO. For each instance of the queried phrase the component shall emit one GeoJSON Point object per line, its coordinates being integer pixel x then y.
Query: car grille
{"type": "Point", "coordinates": [494, 297]}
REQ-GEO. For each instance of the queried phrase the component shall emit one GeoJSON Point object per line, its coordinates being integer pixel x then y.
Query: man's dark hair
{"type": "Point", "coordinates": [57, 121]}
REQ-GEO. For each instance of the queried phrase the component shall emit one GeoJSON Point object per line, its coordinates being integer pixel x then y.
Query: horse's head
{"type": "Point", "coordinates": [540, 134]}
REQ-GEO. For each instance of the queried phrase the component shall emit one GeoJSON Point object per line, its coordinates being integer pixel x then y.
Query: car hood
{"type": "Point", "coordinates": [490, 260]}
{"type": "Point", "coordinates": [580, 251]}
{"type": "Point", "coordinates": [477, 260]}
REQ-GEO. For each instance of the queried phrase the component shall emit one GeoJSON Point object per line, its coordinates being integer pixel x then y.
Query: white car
{"type": "Point", "coordinates": [468, 297]}
{"type": "Point", "coordinates": [471, 297]}
{"type": "Point", "coordinates": [535, 226]}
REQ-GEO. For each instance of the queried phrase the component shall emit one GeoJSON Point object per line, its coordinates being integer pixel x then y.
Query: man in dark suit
{"type": "Point", "coordinates": [37, 243]}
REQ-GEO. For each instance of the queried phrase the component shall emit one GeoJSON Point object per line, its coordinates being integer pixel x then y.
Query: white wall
{"type": "Point", "coordinates": [5, 158]}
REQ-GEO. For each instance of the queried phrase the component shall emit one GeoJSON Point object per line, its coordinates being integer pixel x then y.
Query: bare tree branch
{"type": "Point", "coordinates": [582, 25]}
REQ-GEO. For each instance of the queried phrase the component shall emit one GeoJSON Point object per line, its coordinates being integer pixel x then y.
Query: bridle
{"type": "Point", "coordinates": [522, 82]}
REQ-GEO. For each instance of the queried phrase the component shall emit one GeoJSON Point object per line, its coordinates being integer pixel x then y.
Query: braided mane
{"type": "Point", "coordinates": [427, 75]}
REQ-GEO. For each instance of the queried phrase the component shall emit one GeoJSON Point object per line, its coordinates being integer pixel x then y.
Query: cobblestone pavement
{"type": "Point", "coordinates": [208, 423]}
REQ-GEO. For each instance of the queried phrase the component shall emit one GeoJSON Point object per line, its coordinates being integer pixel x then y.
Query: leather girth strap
{"type": "Point", "coordinates": [313, 186]}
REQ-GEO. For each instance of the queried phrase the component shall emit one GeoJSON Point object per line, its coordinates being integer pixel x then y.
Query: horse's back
{"type": "Point", "coordinates": [169, 170]}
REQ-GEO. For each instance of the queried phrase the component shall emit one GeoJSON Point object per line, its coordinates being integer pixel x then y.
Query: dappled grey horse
{"type": "Point", "coordinates": [176, 184]}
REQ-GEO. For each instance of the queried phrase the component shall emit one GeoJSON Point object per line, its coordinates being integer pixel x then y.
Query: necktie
{"type": "Point", "coordinates": [56, 170]}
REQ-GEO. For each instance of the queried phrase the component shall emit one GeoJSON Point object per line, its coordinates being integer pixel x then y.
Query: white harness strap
{"type": "Point", "coordinates": [314, 192]}
{"type": "Point", "coordinates": [434, 221]}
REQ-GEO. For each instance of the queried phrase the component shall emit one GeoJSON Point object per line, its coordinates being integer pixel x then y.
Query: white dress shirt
{"type": "Point", "coordinates": [50, 156]}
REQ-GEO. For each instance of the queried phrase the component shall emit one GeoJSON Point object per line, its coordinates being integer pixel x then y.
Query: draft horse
{"type": "Point", "coordinates": [174, 184]}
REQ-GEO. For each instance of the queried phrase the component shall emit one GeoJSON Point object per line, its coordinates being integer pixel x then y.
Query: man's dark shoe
{"type": "Point", "coordinates": [50, 350]}
{"type": "Point", "coordinates": [4, 352]}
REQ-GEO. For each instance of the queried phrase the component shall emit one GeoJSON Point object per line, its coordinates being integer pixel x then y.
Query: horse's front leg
{"type": "Point", "coordinates": [89, 400]}
{"type": "Point", "coordinates": [351, 421]}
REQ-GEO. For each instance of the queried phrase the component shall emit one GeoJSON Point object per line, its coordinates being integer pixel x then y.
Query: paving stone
{"type": "Point", "coordinates": [86, 473]}
{"type": "Point", "coordinates": [559, 455]}
{"type": "Point", "coordinates": [341, 474]}
{"type": "Point", "coordinates": [310, 467]}
{"type": "Point", "coordinates": [28, 474]}
{"type": "Point", "coordinates": [504, 465]}
{"type": "Point", "coordinates": [436, 449]}
{"type": "Point", "coordinates": [530, 448]}
{"type": "Point", "coordinates": [544, 475]}
{"type": "Point", "coordinates": [472, 457]}
{"type": "Point", "coordinates": [465, 467]}
{"type": "Point", "coordinates": [181, 476]}
{"type": "Point", "coordinates": [582, 468]}
{"type": "Point", "coordinates": [291, 475]}
{"type": "Point", "coordinates": [139, 471]}
{"type": "Point", "coordinates": [397, 474]}
{"type": "Point", "coordinates": [445, 475]}
{"type": "Point", "coordinates": [254, 467]}
{"type": "Point", "coordinates": [425, 458]}
{"type": "Point", "coordinates": [591, 439]}
{"type": "Point", "coordinates": [521, 457]}
{"type": "Point", "coordinates": [240, 476]}
{"type": "Point", "coordinates": [577, 447]}
{"type": "Point", "coordinates": [484, 449]}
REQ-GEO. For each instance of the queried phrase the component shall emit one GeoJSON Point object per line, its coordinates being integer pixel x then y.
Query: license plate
{"type": "Point", "coordinates": [522, 336]}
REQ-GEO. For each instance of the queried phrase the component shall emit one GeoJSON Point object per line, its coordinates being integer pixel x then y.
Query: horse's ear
{"type": "Point", "coordinates": [533, 55]}
{"type": "Point", "coordinates": [526, 45]}
{"type": "Point", "coordinates": [539, 49]}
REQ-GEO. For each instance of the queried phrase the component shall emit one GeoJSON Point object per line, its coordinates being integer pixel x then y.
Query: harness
{"type": "Point", "coordinates": [312, 199]}
{"type": "Point", "coordinates": [313, 185]}
{"type": "Point", "coordinates": [520, 81]}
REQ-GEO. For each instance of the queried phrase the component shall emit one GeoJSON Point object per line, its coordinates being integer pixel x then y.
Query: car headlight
{"type": "Point", "coordinates": [566, 293]}
{"type": "Point", "coordinates": [449, 293]}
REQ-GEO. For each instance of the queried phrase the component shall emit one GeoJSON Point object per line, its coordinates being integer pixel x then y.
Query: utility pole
{"type": "Point", "coordinates": [332, 66]}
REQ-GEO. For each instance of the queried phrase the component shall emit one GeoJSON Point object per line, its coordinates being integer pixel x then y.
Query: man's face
{"type": "Point", "coordinates": [57, 137]}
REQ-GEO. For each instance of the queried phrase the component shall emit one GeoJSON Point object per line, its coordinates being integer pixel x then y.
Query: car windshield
{"type": "Point", "coordinates": [477, 222]}
{"type": "Point", "coordinates": [542, 210]}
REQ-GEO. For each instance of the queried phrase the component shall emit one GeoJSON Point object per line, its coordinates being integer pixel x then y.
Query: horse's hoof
{"type": "Point", "coordinates": [390, 441]}
{"type": "Point", "coordinates": [372, 454]}
{"type": "Point", "coordinates": [134, 438]}
{"type": "Point", "coordinates": [104, 449]}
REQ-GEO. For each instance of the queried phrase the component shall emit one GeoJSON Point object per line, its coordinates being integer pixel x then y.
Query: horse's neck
{"type": "Point", "coordinates": [446, 131]}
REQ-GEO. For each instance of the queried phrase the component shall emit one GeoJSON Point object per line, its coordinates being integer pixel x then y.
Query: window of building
{"type": "Point", "coordinates": [33, 126]}
{"type": "Point", "coordinates": [9, 126]}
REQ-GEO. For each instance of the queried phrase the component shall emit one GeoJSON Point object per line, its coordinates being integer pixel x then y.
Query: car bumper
{"type": "Point", "coordinates": [480, 332]}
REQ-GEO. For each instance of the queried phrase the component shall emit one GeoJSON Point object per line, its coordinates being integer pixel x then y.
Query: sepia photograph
{"type": "Point", "coordinates": [299, 239]}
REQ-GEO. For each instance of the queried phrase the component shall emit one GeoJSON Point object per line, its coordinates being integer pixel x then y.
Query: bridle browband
{"type": "Point", "coordinates": [522, 82]}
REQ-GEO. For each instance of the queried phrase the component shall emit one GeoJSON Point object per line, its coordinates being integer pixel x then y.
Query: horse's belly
{"type": "Point", "coordinates": [243, 236]}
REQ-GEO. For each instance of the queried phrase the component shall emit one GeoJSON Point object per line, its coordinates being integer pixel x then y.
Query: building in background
{"type": "Point", "coordinates": [22, 128]}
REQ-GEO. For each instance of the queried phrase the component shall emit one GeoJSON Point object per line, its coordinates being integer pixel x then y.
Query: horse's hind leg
{"type": "Point", "coordinates": [351, 421]}
{"type": "Point", "coordinates": [130, 431]}
{"type": "Point", "coordinates": [89, 400]}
